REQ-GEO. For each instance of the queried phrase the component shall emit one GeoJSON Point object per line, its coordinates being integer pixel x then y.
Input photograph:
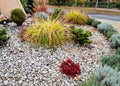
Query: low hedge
{"type": "Point", "coordinates": [88, 4]}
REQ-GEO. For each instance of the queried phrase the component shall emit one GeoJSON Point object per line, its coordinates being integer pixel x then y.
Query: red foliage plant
{"type": "Point", "coordinates": [69, 68]}
{"type": "Point", "coordinates": [41, 8]}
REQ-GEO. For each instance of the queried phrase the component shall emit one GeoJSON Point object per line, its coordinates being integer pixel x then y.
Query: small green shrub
{"type": "Point", "coordinates": [95, 23]}
{"type": "Point", "coordinates": [117, 51]}
{"type": "Point", "coordinates": [18, 16]}
{"type": "Point", "coordinates": [108, 76]}
{"type": "Point", "coordinates": [3, 37]}
{"type": "Point", "coordinates": [57, 13]}
{"type": "Point", "coordinates": [92, 82]}
{"type": "Point", "coordinates": [103, 26]}
{"type": "Point", "coordinates": [115, 41]}
{"type": "Point", "coordinates": [81, 36]}
{"type": "Point", "coordinates": [112, 61]}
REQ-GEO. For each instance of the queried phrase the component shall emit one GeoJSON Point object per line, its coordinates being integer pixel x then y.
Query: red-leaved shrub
{"type": "Point", "coordinates": [69, 68]}
{"type": "Point", "coordinates": [41, 8]}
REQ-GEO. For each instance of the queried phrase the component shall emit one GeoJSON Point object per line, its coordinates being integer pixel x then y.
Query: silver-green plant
{"type": "Point", "coordinates": [41, 15]}
{"type": "Point", "coordinates": [103, 26]}
{"type": "Point", "coordinates": [108, 76]}
{"type": "Point", "coordinates": [115, 41]}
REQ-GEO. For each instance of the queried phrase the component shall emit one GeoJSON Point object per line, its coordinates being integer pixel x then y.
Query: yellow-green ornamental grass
{"type": "Point", "coordinates": [76, 17]}
{"type": "Point", "coordinates": [47, 33]}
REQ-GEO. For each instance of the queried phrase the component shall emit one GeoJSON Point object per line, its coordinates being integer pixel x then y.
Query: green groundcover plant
{"type": "Point", "coordinates": [3, 37]}
{"type": "Point", "coordinates": [112, 60]}
{"type": "Point", "coordinates": [92, 82]}
{"type": "Point", "coordinates": [115, 41]}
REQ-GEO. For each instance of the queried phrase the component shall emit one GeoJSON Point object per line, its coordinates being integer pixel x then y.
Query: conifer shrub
{"type": "Point", "coordinates": [76, 17]}
{"type": "Point", "coordinates": [18, 16]}
{"type": "Point", "coordinates": [3, 37]}
{"type": "Point", "coordinates": [112, 61]}
{"type": "Point", "coordinates": [48, 33]}
{"type": "Point", "coordinates": [70, 68]}
{"type": "Point", "coordinates": [115, 41]}
{"type": "Point", "coordinates": [81, 36]}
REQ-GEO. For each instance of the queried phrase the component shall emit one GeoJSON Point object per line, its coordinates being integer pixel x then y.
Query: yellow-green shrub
{"type": "Point", "coordinates": [76, 17]}
{"type": "Point", "coordinates": [47, 33]}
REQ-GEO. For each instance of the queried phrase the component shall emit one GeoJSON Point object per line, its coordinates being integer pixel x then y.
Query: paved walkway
{"type": "Point", "coordinates": [106, 17]}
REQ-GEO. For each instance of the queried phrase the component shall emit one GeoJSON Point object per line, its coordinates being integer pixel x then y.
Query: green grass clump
{"type": "Point", "coordinates": [76, 17]}
{"type": "Point", "coordinates": [48, 33]}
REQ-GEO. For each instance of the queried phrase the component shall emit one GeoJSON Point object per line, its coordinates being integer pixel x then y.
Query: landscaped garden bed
{"type": "Point", "coordinates": [58, 49]}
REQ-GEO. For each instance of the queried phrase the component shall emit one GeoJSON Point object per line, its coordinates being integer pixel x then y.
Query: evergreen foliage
{"type": "Point", "coordinates": [18, 16]}
{"type": "Point", "coordinates": [3, 37]}
{"type": "Point", "coordinates": [81, 36]}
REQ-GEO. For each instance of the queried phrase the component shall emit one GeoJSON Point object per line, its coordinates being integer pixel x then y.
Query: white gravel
{"type": "Point", "coordinates": [22, 65]}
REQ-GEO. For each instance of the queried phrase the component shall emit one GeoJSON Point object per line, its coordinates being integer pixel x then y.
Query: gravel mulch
{"type": "Point", "coordinates": [22, 65]}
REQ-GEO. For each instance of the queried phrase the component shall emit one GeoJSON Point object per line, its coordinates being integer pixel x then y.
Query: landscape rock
{"type": "Point", "coordinates": [22, 65]}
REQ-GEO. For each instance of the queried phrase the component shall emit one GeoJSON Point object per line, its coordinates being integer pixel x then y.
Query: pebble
{"type": "Point", "coordinates": [6, 82]}
{"type": "Point", "coordinates": [20, 64]}
{"type": "Point", "coordinates": [1, 26]}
